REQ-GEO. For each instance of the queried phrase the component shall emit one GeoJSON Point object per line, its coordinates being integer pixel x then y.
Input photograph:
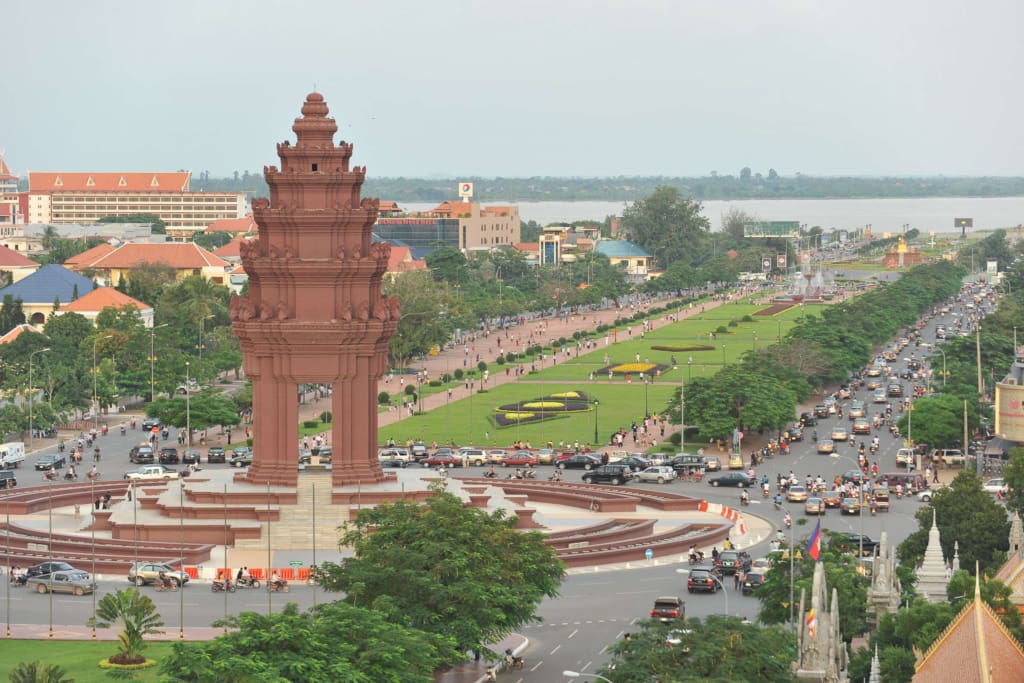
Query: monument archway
{"type": "Point", "coordinates": [314, 312]}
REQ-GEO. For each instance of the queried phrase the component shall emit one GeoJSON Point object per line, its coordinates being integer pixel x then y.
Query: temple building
{"type": "Point", "coordinates": [933, 575]}
{"type": "Point", "coordinates": [884, 593]}
{"type": "Point", "coordinates": [975, 647]}
{"type": "Point", "coordinates": [901, 256]}
{"type": "Point", "coordinates": [821, 651]}
{"type": "Point", "coordinates": [1012, 572]}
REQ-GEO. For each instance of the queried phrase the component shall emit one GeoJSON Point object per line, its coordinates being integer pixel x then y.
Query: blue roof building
{"type": "Point", "coordinates": [636, 260]}
{"type": "Point", "coordinates": [41, 289]}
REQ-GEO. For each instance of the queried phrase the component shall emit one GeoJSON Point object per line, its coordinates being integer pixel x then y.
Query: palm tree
{"type": "Point", "coordinates": [38, 672]}
{"type": "Point", "coordinates": [137, 616]}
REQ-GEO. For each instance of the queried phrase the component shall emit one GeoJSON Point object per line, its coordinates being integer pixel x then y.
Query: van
{"type": "Point", "coordinates": [911, 481]}
{"type": "Point", "coordinates": [686, 462]}
{"type": "Point", "coordinates": [949, 456]}
{"type": "Point", "coordinates": [904, 457]}
{"type": "Point", "coordinates": [7, 480]}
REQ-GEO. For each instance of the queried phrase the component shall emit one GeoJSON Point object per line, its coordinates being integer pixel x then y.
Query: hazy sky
{"type": "Point", "coordinates": [521, 87]}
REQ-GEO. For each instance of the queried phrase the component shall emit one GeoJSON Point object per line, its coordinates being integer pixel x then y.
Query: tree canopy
{"type": "Point", "coordinates": [444, 568]}
{"type": "Point", "coordinates": [667, 225]}
{"type": "Point", "coordinates": [334, 642]}
{"type": "Point", "coordinates": [717, 648]}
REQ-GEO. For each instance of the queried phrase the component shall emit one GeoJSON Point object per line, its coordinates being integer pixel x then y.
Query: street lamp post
{"type": "Point", "coordinates": [31, 391]}
{"type": "Point", "coordinates": [860, 500]}
{"type": "Point", "coordinates": [647, 410]}
{"type": "Point", "coordinates": [95, 373]}
{"type": "Point", "coordinates": [723, 355]}
{"type": "Point", "coordinates": [597, 440]}
{"type": "Point", "coordinates": [578, 674]}
{"type": "Point", "coordinates": [188, 408]}
{"type": "Point", "coordinates": [152, 360]}
{"type": "Point", "coordinates": [201, 330]}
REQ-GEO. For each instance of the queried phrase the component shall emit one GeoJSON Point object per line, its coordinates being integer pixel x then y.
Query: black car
{"type": "Point", "coordinates": [854, 476]}
{"type": "Point", "coordinates": [54, 460]}
{"type": "Point", "coordinates": [752, 581]}
{"type": "Point", "coordinates": [808, 419]}
{"type": "Point", "coordinates": [851, 542]}
{"type": "Point", "coordinates": [634, 462]}
{"type": "Point", "coordinates": [739, 479]}
{"type": "Point", "coordinates": [821, 411]}
{"type": "Point", "coordinates": [580, 461]}
{"type": "Point", "coordinates": [216, 454]}
{"type": "Point", "coordinates": [702, 579]}
{"type": "Point", "coordinates": [169, 455]}
{"type": "Point", "coordinates": [390, 461]}
{"type": "Point", "coordinates": [48, 567]}
{"type": "Point", "coordinates": [795, 434]}
{"type": "Point", "coordinates": [141, 454]}
{"type": "Point", "coordinates": [190, 456]}
{"type": "Point", "coordinates": [732, 561]}
{"type": "Point", "coordinates": [150, 422]}
{"type": "Point", "coordinates": [240, 458]}
{"type": "Point", "coordinates": [614, 474]}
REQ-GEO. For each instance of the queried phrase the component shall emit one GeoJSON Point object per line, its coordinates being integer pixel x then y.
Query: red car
{"type": "Point", "coordinates": [520, 459]}
{"type": "Point", "coordinates": [445, 460]}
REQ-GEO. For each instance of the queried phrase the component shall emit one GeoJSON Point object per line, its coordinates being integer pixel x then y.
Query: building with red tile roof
{"type": "Point", "coordinates": [232, 251]}
{"type": "Point", "coordinates": [236, 226]}
{"type": "Point", "coordinates": [388, 208]}
{"type": "Point", "coordinates": [16, 264]}
{"type": "Point", "coordinates": [93, 303]}
{"type": "Point", "coordinates": [976, 647]}
{"type": "Point", "coordinates": [401, 261]}
{"type": "Point", "coordinates": [185, 258]}
{"type": "Point", "coordinates": [16, 332]}
{"type": "Point", "coordinates": [89, 256]}
{"type": "Point", "coordinates": [72, 197]}
{"type": "Point", "coordinates": [9, 206]}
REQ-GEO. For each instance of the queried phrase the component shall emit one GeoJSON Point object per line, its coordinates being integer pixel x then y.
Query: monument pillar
{"type": "Point", "coordinates": [314, 312]}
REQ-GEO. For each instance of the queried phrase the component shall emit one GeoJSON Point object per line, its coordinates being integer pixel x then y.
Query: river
{"type": "Point", "coordinates": [883, 215]}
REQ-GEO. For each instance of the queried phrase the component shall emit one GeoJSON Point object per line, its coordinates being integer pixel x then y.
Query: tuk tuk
{"type": "Point", "coordinates": [880, 498]}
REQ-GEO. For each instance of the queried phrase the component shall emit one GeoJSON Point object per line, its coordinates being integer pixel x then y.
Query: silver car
{"type": "Point", "coordinates": [662, 474]}
{"type": "Point", "coordinates": [72, 581]}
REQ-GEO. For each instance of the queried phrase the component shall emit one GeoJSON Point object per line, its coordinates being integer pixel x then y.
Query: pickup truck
{"type": "Point", "coordinates": [151, 472]}
{"type": "Point", "coordinates": [668, 609]}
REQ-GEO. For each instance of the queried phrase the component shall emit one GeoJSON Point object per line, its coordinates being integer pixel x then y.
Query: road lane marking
{"type": "Point", "coordinates": [536, 666]}
{"type": "Point", "coordinates": [574, 632]}
{"type": "Point", "coordinates": [557, 648]}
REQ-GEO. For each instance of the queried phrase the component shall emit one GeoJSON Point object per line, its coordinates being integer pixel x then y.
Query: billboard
{"type": "Point", "coordinates": [766, 263]}
{"type": "Point", "coordinates": [465, 190]}
{"type": "Point", "coordinates": [1010, 411]}
{"type": "Point", "coordinates": [763, 229]}
{"type": "Point", "coordinates": [780, 261]}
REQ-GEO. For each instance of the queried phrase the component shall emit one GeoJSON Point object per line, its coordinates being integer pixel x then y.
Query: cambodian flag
{"type": "Point", "coordinates": [812, 623]}
{"type": "Point", "coordinates": [814, 543]}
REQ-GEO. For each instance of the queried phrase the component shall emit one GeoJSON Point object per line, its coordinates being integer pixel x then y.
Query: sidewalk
{"type": "Point", "coordinates": [475, 672]}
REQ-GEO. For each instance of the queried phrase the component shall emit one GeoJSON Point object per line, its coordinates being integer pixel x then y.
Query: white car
{"type": "Point", "coordinates": [151, 472]}
{"type": "Point", "coordinates": [661, 474]}
{"type": "Point", "coordinates": [395, 454]}
{"type": "Point", "coordinates": [994, 486]}
{"type": "Point", "coordinates": [925, 495]}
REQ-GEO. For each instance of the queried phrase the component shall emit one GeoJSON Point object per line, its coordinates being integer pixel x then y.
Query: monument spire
{"type": "Point", "coordinates": [314, 313]}
{"type": "Point", "coordinates": [933, 574]}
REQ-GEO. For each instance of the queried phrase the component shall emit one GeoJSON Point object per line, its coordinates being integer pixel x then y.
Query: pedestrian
{"type": "Point", "coordinates": [736, 580]}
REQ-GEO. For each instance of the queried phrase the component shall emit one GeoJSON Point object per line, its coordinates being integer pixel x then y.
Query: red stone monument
{"type": "Point", "coordinates": [314, 312]}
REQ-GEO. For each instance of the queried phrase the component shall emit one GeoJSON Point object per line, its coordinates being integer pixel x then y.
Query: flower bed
{"type": "Point", "coordinates": [542, 408]}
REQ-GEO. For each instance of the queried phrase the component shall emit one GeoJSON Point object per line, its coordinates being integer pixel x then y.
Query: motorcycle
{"type": "Point", "coordinates": [280, 586]}
{"type": "Point", "coordinates": [93, 476]}
{"type": "Point", "coordinates": [248, 582]}
{"type": "Point", "coordinates": [512, 662]}
{"type": "Point", "coordinates": [744, 499]}
{"type": "Point", "coordinates": [219, 586]}
{"type": "Point", "coordinates": [765, 490]}
{"type": "Point", "coordinates": [50, 476]}
{"type": "Point", "coordinates": [70, 476]}
{"type": "Point", "coordinates": [165, 585]}
{"type": "Point", "coordinates": [788, 520]}
{"type": "Point", "coordinates": [122, 430]}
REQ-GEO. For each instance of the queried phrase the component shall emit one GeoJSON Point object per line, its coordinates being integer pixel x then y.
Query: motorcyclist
{"type": "Point", "coordinates": [164, 582]}
{"type": "Point", "coordinates": [490, 473]}
{"type": "Point", "coordinates": [787, 519]}
{"type": "Point", "coordinates": [276, 582]}
{"type": "Point", "coordinates": [778, 501]}
{"type": "Point", "coordinates": [744, 498]}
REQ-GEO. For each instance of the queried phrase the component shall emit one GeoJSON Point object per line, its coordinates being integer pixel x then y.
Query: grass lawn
{"type": "Point", "coordinates": [79, 658]}
{"type": "Point", "coordinates": [470, 420]}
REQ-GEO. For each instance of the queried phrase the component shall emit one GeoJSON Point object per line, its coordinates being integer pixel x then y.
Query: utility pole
{"type": "Point", "coordinates": [977, 351]}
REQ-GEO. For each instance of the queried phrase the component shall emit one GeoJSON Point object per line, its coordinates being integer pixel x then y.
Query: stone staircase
{"type": "Point", "coordinates": [295, 530]}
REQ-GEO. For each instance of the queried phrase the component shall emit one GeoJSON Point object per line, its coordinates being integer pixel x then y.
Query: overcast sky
{"type": "Point", "coordinates": [521, 87]}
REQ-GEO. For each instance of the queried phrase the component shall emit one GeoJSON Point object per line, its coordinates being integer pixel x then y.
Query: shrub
{"type": "Point", "coordinates": [458, 373]}
{"type": "Point", "coordinates": [326, 416]}
{"type": "Point", "coordinates": [410, 389]}
{"type": "Point", "coordinates": [733, 323]}
{"type": "Point", "coordinates": [500, 360]}
{"type": "Point", "coordinates": [676, 438]}
{"type": "Point", "coordinates": [562, 341]}
{"type": "Point", "coordinates": [722, 329]}
{"type": "Point", "coordinates": [310, 424]}
{"type": "Point", "coordinates": [383, 398]}
{"type": "Point", "coordinates": [747, 319]}
{"type": "Point", "coordinates": [435, 382]}
{"type": "Point", "coordinates": [481, 366]}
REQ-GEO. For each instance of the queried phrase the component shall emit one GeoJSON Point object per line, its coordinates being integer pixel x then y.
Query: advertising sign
{"type": "Point", "coordinates": [764, 229]}
{"type": "Point", "coordinates": [766, 263]}
{"type": "Point", "coordinates": [465, 190]}
{"type": "Point", "coordinates": [1010, 411]}
{"type": "Point", "coordinates": [780, 261]}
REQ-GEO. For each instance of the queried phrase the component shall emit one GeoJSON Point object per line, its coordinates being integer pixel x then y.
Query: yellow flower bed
{"type": "Point", "coordinates": [567, 394]}
{"type": "Point", "coordinates": [541, 405]}
{"type": "Point", "coordinates": [634, 367]}
{"type": "Point", "coordinates": [107, 664]}
{"type": "Point", "coordinates": [518, 416]}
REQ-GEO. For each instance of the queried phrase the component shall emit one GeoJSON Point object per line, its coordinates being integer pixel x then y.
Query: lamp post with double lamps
{"type": "Point", "coordinates": [152, 360]}
{"type": "Point", "coordinates": [188, 408]}
{"type": "Point", "coordinates": [31, 392]}
{"type": "Point", "coordinates": [860, 501]}
{"type": "Point", "coordinates": [597, 439]}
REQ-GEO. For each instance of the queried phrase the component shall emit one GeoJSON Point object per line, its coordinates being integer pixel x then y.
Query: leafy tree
{"type": "Point", "coordinates": [995, 593]}
{"type": "Point", "coordinates": [204, 410]}
{"type": "Point", "coordinates": [841, 573]}
{"type": "Point", "coordinates": [448, 264]}
{"type": "Point", "coordinates": [137, 617]}
{"type": "Point", "coordinates": [968, 515]}
{"type": "Point", "coordinates": [447, 569]}
{"type": "Point", "coordinates": [912, 628]}
{"type": "Point", "coordinates": [738, 397]}
{"type": "Point", "coordinates": [745, 173]}
{"type": "Point", "coordinates": [667, 225]}
{"type": "Point", "coordinates": [1013, 474]}
{"type": "Point", "coordinates": [336, 642]}
{"type": "Point", "coordinates": [39, 672]}
{"type": "Point", "coordinates": [718, 648]}
{"type": "Point", "coordinates": [429, 314]}
{"type": "Point", "coordinates": [156, 224]}
{"type": "Point", "coordinates": [211, 240]}
{"type": "Point", "coordinates": [733, 220]}
{"type": "Point", "coordinates": [530, 231]}
{"type": "Point", "coordinates": [11, 314]}
{"type": "Point", "coordinates": [147, 282]}
{"type": "Point", "coordinates": [939, 421]}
